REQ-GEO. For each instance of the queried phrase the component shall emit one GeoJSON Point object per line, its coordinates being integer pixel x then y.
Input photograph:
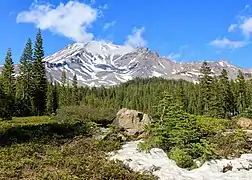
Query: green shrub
{"type": "Point", "coordinates": [232, 144]}
{"type": "Point", "coordinates": [80, 158]}
{"type": "Point", "coordinates": [41, 148]}
{"type": "Point", "coordinates": [247, 113]}
{"type": "Point", "coordinates": [211, 126]}
{"type": "Point", "coordinates": [182, 158]}
{"type": "Point", "coordinates": [31, 129]}
{"type": "Point", "coordinates": [85, 113]}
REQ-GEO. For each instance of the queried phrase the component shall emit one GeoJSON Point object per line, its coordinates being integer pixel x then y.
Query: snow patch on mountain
{"type": "Point", "coordinates": [102, 63]}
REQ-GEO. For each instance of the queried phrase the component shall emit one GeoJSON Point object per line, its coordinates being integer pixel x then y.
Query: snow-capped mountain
{"type": "Point", "coordinates": [99, 63]}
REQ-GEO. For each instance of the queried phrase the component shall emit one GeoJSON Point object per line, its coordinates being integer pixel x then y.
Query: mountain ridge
{"type": "Point", "coordinates": [99, 63]}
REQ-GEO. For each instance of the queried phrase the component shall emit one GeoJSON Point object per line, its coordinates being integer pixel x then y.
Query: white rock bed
{"type": "Point", "coordinates": [156, 161]}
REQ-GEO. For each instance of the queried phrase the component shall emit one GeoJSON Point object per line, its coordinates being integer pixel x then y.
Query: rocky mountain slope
{"type": "Point", "coordinates": [98, 63]}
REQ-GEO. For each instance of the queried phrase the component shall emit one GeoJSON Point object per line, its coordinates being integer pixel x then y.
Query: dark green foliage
{"type": "Point", "coordinates": [75, 92]}
{"type": "Point", "coordinates": [215, 103]}
{"type": "Point", "coordinates": [25, 82]}
{"type": "Point", "coordinates": [19, 133]}
{"type": "Point", "coordinates": [8, 85]}
{"type": "Point", "coordinates": [4, 103]}
{"type": "Point", "coordinates": [86, 113]}
{"type": "Point", "coordinates": [226, 95]}
{"type": "Point", "coordinates": [63, 91]}
{"type": "Point", "coordinates": [39, 76]}
{"type": "Point", "coordinates": [241, 92]}
{"type": "Point", "coordinates": [205, 88]}
{"type": "Point", "coordinates": [178, 133]}
{"type": "Point", "coordinates": [50, 98]}
{"type": "Point", "coordinates": [8, 79]}
{"type": "Point", "coordinates": [247, 113]}
{"type": "Point", "coordinates": [49, 150]}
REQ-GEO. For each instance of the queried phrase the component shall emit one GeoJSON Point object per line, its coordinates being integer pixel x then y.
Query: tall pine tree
{"type": "Point", "coordinates": [8, 83]}
{"type": "Point", "coordinates": [39, 76]}
{"type": "Point", "coordinates": [214, 104]}
{"type": "Point", "coordinates": [8, 78]}
{"type": "Point", "coordinates": [50, 97]}
{"type": "Point", "coordinates": [3, 101]}
{"type": "Point", "coordinates": [75, 92]}
{"type": "Point", "coordinates": [25, 80]}
{"type": "Point", "coordinates": [63, 90]}
{"type": "Point", "coordinates": [205, 87]}
{"type": "Point", "coordinates": [241, 92]}
{"type": "Point", "coordinates": [226, 96]}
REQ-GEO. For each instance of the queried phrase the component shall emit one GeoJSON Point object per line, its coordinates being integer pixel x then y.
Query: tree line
{"type": "Point", "coordinates": [30, 93]}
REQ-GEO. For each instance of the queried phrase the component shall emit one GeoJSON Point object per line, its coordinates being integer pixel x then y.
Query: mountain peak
{"type": "Point", "coordinates": [99, 63]}
{"type": "Point", "coordinates": [225, 63]}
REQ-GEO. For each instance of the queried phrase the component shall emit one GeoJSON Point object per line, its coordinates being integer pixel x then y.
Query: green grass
{"type": "Point", "coordinates": [24, 121]}
{"type": "Point", "coordinates": [39, 148]}
{"type": "Point", "coordinates": [80, 158]}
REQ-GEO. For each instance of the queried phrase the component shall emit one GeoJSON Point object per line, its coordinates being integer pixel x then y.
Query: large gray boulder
{"type": "Point", "coordinates": [132, 121]}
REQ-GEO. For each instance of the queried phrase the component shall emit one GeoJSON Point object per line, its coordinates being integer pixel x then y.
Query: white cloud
{"type": "Point", "coordinates": [226, 43]}
{"type": "Point", "coordinates": [244, 22]}
{"type": "Point", "coordinates": [109, 24]}
{"type": "Point", "coordinates": [232, 27]}
{"type": "Point", "coordinates": [71, 20]}
{"type": "Point", "coordinates": [136, 38]}
{"type": "Point", "coordinates": [246, 27]}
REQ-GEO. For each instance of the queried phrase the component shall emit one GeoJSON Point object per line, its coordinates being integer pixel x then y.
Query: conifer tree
{"type": "Point", "coordinates": [63, 90]}
{"type": "Point", "coordinates": [215, 100]}
{"type": "Point", "coordinates": [39, 76]}
{"type": "Point", "coordinates": [226, 96]}
{"type": "Point", "coordinates": [25, 79]}
{"type": "Point", "coordinates": [68, 97]}
{"type": "Point", "coordinates": [75, 96]}
{"type": "Point", "coordinates": [205, 87]}
{"type": "Point", "coordinates": [241, 92]}
{"type": "Point", "coordinates": [233, 89]}
{"type": "Point", "coordinates": [8, 83]}
{"type": "Point", "coordinates": [2, 100]}
{"type": "Point", "coordinates": [180, 97]}
{"type": "Point", "coordinates": [55, 96]}
{"type": "Point", "coordinates": [50, 97]}
{"type": "Point", "coordinates": [8, 79]}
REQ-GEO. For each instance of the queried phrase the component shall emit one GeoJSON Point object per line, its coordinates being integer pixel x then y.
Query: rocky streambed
{"type": "Point", "coordinates": [157, 162]}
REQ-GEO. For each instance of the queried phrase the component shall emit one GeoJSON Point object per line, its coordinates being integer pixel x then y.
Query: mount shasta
{"type": "Point", "coordinates": [98, 63]}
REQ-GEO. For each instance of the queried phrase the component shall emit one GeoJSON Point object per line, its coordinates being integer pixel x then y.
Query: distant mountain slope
{"type": "Point", "coordinates": [97, 63]}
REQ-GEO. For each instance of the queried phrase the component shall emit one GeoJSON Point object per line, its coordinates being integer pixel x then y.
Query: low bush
{"type": "Point", "coordinates": [98, 115]}
{"type": "Point", "coordinates": [182, 158]}
{"type": "Point", "coordinates": [247, 113]}
{"type": "Point", "coordinates": [80, 158]}
{"type": "Point", "coordinates": [31, 129]}
{"type": "Point", "coordinates": [41, 148]}
{"type": "Point", "coordinates": [232, 144]}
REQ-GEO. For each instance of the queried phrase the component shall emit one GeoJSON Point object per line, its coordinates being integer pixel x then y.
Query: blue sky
{"type": "Point", "coordinates": [181, 30]}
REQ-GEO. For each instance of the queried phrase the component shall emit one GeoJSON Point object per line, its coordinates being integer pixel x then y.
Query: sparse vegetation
{"type": "Point", "coordinates": [86, 114]}
{"type": "Point", "coordinates": [41, 148]}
